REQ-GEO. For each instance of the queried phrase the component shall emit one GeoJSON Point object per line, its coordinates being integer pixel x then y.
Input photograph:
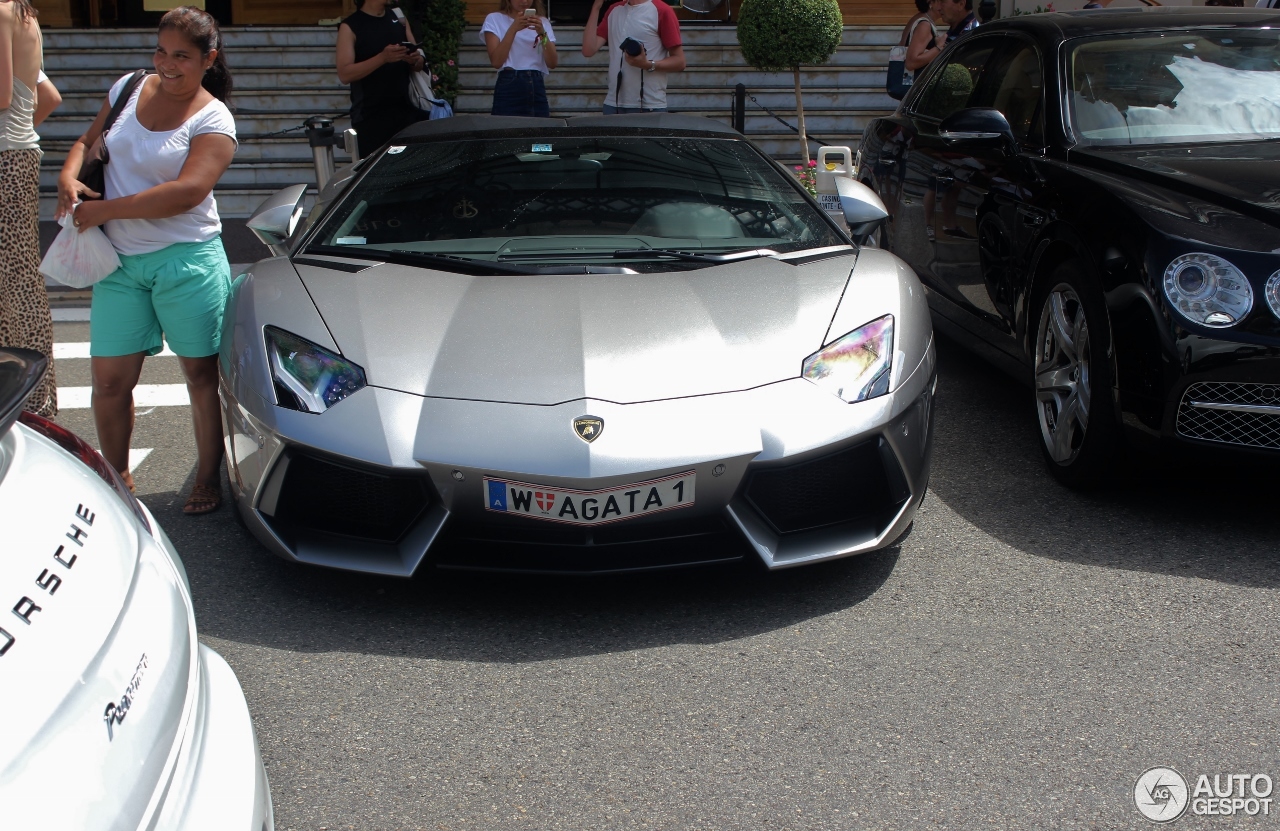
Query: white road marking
{"type": "Point", "coordinates": [80, 350]}
{"type": "Point", "coordinates": [144, 395]}
{"type": "Point", "coordinates": [70, 315]}
{"type": "Point", "coordinates": [136, 457]}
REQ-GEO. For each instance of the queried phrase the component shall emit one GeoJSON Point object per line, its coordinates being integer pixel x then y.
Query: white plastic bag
{"type": "Point", "coordinates": [79, 259]}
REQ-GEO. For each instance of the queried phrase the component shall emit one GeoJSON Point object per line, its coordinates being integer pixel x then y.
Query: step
{"type": "Point", "coordinates": [126, 58]}
{"type": "Point", "coordinates": [477, 60]}
{"type": "Point", "coordinates": [719, 81]}
{"type": "Point", "coordinates": [781, 101]}
{"type": "Point", "coordinates": [249, 126]}
{"type": "Point", "coordinates": [693, 36]}
{"type": "Point", "coordinates": [245, 102]}
{"type": "Point", "coordinates": [233, 203]}
{"type": "Point", "coordinates": [293, 78]}
{"type": "Point", "coordinates": [237, 38]}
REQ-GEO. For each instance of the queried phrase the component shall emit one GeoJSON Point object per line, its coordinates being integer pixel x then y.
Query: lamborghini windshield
{"type": "Point", "coordinates": [632, 203]}
{"type": "Point", "coordinates": [1207, 85]}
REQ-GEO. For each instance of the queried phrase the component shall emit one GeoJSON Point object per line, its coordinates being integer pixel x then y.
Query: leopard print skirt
{"type": "Point", "coordinates": [24, 304]}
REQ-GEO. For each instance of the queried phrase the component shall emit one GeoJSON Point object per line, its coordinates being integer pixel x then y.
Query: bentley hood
{"type": "Point", "coordinates": [1243, 176]}
{"type": "Point", "coordinates": [546, 339]}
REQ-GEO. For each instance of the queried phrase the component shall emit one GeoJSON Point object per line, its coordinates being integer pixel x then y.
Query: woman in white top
{"type": "Point", "coordinates": [168, 147]}
{"type": "Point", "coordinates": [522, 47]}
{"type": "Point", "coordinates": [24, 305]}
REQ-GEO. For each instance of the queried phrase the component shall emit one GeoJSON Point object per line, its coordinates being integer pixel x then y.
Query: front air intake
{"type": "Point", "coordinates": [333, 498]}
{"type": "Point", "coordinates": [852, 485]}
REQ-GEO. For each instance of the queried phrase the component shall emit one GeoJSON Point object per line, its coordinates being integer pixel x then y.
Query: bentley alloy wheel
{"type": "Point", "coordinates": [1063, 374]}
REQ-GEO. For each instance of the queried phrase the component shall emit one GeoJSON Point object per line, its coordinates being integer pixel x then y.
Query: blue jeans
{"type": "Point", "coordinates": [520, 92]}
{"type": "Point", "coordinates": [609, 109]}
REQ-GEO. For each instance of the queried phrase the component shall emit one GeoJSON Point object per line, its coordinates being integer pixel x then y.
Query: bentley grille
{"type": "Point", "coordinates": [1233, 413]}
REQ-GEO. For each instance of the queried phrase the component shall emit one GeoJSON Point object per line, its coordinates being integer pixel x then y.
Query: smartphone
{"type": "Point", "coordinates": [530, 12]}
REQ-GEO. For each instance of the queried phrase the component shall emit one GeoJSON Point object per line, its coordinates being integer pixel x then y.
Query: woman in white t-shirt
{"type": "Point", "coordinates": [169, 146]}
{"type": "Point", "coordinates": [522, 48]}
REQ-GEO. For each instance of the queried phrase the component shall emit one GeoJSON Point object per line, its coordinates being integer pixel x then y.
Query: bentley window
{"type": "Point", "coordinates": [1211, 85]}
{"type": "Point", "coordinates": [527, 203]}
{"type": "Point", "coordinates": [1017, 85]}
{"type": "Point", "coordinates": [957, 84]}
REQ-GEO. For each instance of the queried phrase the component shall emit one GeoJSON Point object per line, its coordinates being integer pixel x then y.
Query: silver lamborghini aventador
{"type": "Point", "coordinates": [599, 344]}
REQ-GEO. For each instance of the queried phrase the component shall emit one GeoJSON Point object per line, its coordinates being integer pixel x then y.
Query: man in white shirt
{"type": "Point", "coordinates": [643, 37]}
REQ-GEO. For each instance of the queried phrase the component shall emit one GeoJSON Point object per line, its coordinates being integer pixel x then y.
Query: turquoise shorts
{"type": "Point", "coordinates": [176, 294]}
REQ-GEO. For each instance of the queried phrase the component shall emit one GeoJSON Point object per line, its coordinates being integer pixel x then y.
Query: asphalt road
{"type": "Point", "coordinates": [1021, 657]}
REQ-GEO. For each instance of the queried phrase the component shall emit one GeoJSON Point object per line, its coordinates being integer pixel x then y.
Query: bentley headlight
{"type": "Point", "coordinates": [1272, 293]}
{"type": "Point", "coordinates": [1208, 290]}
{"type": "Point", "coordinates": [307, 377]}
{"type": "Point", "coordinates": [856, 366]}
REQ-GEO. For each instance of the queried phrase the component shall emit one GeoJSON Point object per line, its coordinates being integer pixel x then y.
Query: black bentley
{"type": "Point", "coordinates": [1092, 200]}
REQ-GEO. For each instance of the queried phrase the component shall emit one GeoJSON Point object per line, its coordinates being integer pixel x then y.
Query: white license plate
{"type": "Point", "coordinates": [575, 507]}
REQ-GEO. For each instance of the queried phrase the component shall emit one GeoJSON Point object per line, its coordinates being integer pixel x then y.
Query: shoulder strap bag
{"type": "Point", "coordinates": [899, 79]}
{"type": "Point", "coordinates": [421, 94]}
{"type": "Point", "coordinates": [93, 171]}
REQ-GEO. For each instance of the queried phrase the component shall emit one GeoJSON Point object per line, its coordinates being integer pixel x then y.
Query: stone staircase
{"type": "Point", "coordinates": [282, 75]}
{"type": "Point", "coordinates": [285, 74]}
{"type": "Point", "coordinates": [840, 97]}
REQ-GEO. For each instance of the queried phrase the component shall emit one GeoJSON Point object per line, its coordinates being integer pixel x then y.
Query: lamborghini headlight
{"type": "Point", "coordinates": [307, 377]}
{"type": "Point", "coordinates": [1208, 290]}
{"type": "Point", "coordinates": [1272, 291]}
{"type": "Point", "coordinates": [856, 366]}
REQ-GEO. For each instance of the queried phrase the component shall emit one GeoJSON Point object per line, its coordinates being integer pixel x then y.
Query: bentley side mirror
{"type": "Point", "coordinates": [276, 218]}
{"type": "Point", "coordinates": [983, 125]}
{"type": "Point", "coordinates": [862, 209]}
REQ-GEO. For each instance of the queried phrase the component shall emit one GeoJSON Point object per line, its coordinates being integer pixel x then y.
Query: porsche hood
{"type": "Point", "coordinates": [546, 339]}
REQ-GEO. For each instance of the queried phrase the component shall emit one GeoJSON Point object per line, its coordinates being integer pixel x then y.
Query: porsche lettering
{"type": "Point", "coordinates": [577, 507]}
{"type": "Point", "coordinates": [48, 580]}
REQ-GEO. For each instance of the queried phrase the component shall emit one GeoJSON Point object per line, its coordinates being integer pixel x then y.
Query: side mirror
{"type": "Point", "coordinates": [982, 125]}
{"type": "Point", "coordinates": [276, 218]}
{"type": "Point", "coordinates": [862, 209]}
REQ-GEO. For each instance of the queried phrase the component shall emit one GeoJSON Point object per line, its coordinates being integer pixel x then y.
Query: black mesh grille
{"type": "Point", "coordinates": [1252, 429]}
{"type": "Point", "coordinates": [324, 496]}
{"type": "Point", "coordinates": [847, 486]}
{"type": "Point", "coordinates": [532, 546]}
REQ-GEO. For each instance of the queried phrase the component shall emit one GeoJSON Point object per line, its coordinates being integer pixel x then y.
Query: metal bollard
{"type": "Point", "coordinates": [320, 137]}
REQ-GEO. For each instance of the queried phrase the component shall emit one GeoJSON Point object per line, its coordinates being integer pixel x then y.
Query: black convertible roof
{"type": "Point", "coordinates": [1085, 22]}
{"type": "Point", "coordinates": [474, 126]}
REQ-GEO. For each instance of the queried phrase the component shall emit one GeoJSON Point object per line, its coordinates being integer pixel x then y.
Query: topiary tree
{"type": "Point", "coordinates": [786, 34]}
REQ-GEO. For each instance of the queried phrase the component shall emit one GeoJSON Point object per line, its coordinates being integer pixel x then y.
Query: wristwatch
{"type": "Point", "coordinates": [652, 64]}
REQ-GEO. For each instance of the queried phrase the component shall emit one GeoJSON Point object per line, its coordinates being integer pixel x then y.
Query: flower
{"type": "Point", "coordinates": [813, 163]}
{"type": "Point", "coordinates": [435, 77]}
{"type": "Point", "coordinates": [798, 167]}
{"type": "Point", "coordinates": [450, 63]}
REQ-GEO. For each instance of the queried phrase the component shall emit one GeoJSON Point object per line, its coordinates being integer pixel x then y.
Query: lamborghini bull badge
{"type": "Point", "coordinates": [588, 427]}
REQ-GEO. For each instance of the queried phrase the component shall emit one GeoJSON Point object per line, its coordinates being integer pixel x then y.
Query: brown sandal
{"type": "Point", "coordinates": [127, 478]}
{"type": "Point", "coordinates": [204, 499]}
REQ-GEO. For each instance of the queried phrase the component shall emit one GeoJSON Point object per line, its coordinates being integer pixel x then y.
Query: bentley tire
{"type": "Point", "coordinates": [1078, 431]}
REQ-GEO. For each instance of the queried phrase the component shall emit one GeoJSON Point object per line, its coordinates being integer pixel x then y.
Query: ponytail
{"type": "Point", "coordinates": [201, 29]}
{"type": "Point", "coordinates": [218, 79]}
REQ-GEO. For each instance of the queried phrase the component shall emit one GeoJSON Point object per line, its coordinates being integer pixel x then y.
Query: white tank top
{"type": "Point", "coordinates": [16, 130]}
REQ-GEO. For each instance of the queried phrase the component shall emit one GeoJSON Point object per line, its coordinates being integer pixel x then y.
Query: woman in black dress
{"type": "Point", "coordinates": [372, 59]}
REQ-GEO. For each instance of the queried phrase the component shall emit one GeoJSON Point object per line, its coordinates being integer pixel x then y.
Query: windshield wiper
{"type": "Point", "coordinates": [447, 262]}
{"type": "Point", "coordinates": [689, 256]}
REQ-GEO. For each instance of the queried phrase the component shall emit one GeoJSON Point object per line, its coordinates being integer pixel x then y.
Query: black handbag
{"type": "Point", "coordinates": [93, 173]}
{"type": "Point", "coordinates": [898, 78]}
